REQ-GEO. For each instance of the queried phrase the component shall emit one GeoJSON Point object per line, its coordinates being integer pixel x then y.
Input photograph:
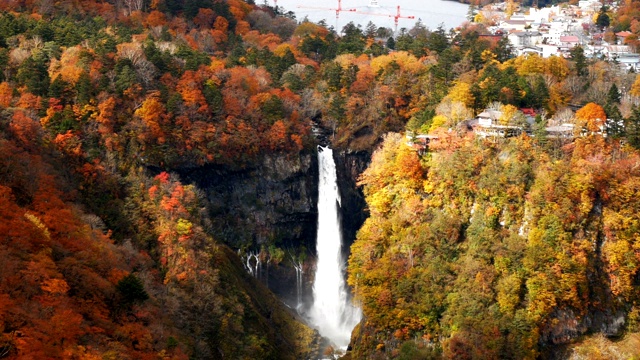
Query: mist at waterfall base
{"type": "Point", "coordinates": [332, 312]}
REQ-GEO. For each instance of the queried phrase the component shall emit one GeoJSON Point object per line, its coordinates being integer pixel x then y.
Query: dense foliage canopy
{"type": "Point", "coordinates": [477, 248]}
{"type": "Point", "coordinates": [490, 250]}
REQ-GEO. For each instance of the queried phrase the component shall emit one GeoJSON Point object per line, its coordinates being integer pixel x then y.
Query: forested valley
{"type": "Point", "coordinates": [150, 150]}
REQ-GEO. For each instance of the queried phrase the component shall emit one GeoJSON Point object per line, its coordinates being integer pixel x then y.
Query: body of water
{"type": "Point", "coordinates": [432, 13]}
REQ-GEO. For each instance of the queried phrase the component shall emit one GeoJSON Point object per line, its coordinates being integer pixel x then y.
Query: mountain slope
{"type": "Point", "coordinates": [488, 249]}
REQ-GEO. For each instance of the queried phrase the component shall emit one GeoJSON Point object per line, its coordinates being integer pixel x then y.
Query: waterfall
{"type": "Point", "coordinates": [252, 264]}
{"type": "Point", "coordinates": [299, 286]}
{"type": "Point", "coordinates": [298, 265]}
{"type": "Point", "coordinates": [332, 312]}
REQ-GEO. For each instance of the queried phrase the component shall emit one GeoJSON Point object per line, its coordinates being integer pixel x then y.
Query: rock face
{"type": "Point", "coordinates": [273, 202]}
{"type": "Point", "coordinates": [286, 335]}
{"type": "Point", "coordinates": [565, 326]}
{"type": "Point", "coordinates": [606, 314]}
{"type": "Point", "coordinates": [349, 166]}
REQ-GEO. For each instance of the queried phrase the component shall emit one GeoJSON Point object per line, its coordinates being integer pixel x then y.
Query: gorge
{"type": "Point", "coordinates": [163, 195]}
{"type": "Point", "coordinates": [294, 202]}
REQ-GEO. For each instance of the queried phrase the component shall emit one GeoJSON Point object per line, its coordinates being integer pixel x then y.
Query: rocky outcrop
{"type": "Point", "coordinates": [565, 326]}
{"type": "Point", "coordinates": [284, 331]}
{"type": "Point", "coordinates": [273, 202]}
{"type": "Point", "coordinates": [349, 166]}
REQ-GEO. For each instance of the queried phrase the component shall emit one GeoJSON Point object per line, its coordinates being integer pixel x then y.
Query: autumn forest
{"type": "Point", "coordinates": [149, 149]}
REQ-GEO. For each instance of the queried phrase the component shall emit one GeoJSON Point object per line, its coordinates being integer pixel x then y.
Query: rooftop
{"type": "Point", "coordinates": [619, 48]}
{"type": "Point", "coordinates": [569, 38]}
{"type": "Point", "coordinates": [490, 114]}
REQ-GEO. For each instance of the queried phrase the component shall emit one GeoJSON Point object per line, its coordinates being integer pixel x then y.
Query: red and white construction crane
{"type": "Point", "coordinates": [395, 17]}
{"type": "Point", "coordinates": [337, 10]}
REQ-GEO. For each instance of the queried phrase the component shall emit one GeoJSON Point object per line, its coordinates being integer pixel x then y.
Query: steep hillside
{"type": "Point", "coordinates": [152, 154]}
{"type": "Point", "coordinates": [69, 290]}
{"type": "Point", "coordinates": [484, 249]}
{"type": "Point", "coordinates": [106, 251]}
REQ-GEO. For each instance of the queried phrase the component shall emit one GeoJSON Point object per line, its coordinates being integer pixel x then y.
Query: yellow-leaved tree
{"type": "Point", "coordinates": [395, 171]}
{"type": "Point", "coordinates": [510, 115]}
{"type": "Point", "coordinates": [153, 115]}
{"type": "Point", "coordinates": [479, 18]}
{"type": "Point", "coordinates": [635, 88]}
{"type": "Point", "coordinates": [511, 8]}
{"type": "Point", "coordinates": [461, 92]}
{"type": "Point", "coordinates": [453, 111]}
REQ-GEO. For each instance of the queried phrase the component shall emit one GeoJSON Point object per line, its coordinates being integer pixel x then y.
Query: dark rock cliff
{"type": "Point", "coordinates": [349, 166]}
{"type": "Point", "coordinates": [273, 202]}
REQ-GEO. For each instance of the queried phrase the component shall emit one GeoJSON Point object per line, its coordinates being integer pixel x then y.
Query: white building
{"type": "Point", "coordinates": [615, 52]}
{"type": "Point", "coordinates": [562, 131]}
{"type": "Point", "coordinates": [589, 6]}
{"type": "Point", "coordinates": [553, 34]}
{"type": "Point", "coordinates": [489, 117]}
{"type": "Point", "coordinates": [550, 50]}
{"type": "Point", "coordinates": [488, 125]}
{"type": "Point", "coordinates": [513, 25]}
{"type": "Point", "coordinates": [542, 15]}
{"type": "Point", "coordinates": [525, 38]}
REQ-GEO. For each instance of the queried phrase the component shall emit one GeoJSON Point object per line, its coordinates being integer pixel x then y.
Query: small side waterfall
{"type": "Point", "coordinates": [298, 265]}
{"type": "Point", "coordinates": [332, 312]}
{"type": "Point", "coordinates": [252, 263]}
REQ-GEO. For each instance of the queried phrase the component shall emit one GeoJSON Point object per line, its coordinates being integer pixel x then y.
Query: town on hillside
{"type": "Point", "coordinates": [503, 121]}
{"type": "Point", "coordinates": [546, 32]}
{"type": "Point", "coordinates": [555, 30]}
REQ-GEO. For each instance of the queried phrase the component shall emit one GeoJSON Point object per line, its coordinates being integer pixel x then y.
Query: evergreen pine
{"type": "Point", "coordinates": [580, 60]}
{"type": "Point", "coordinates": [632, 128]}
{"type": "Point", "coordinates": [131, 289]}
{"type": "Point", "coordinates": [391, 43]}
{"type": "Point", "coordinates": [613, 96]}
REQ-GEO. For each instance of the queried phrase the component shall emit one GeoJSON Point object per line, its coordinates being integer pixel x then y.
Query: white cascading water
{"type": "Point", "coordinates": [299, 272]}
{"type": "Point", "coordinates": [332, 312]}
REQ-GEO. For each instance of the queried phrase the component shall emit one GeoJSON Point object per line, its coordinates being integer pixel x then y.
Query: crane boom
{"type": "Point", "coordinates": [395, 17]}
{"type": "Point", "coordinates": [337, 10]}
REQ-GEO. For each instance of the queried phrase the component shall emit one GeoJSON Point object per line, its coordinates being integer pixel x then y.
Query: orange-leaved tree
{"type": "Point", "coordinates": [592, 117]}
